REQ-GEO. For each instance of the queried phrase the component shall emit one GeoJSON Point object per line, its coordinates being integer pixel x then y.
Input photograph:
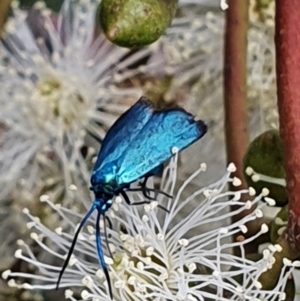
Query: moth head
{"type": "Point", "coordinates": [103, 204]}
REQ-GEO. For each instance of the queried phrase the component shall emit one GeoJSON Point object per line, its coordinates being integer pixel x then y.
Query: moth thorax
{"type": "Point", "coordinates": [105, 191]}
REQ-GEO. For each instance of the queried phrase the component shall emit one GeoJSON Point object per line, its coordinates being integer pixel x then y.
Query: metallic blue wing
{"type": "Point", "coordinates": [158, 170]}
{"type": "Point", "coordinates": [154, 143]}
{"type": "Point", "coordinates": [124, 131]}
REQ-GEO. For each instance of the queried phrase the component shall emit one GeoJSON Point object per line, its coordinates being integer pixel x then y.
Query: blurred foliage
{"type": "Point", "coordinates": [264, 9]}
{"type": "Point", "coordinates": [262, 4]}
{"type": "Point", "coordinates": [4, 8]}
{"type": "Point", "coordinates": [52, 4]}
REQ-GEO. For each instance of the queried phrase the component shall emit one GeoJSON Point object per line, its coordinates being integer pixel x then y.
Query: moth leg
{"type": "Point", "coordinates": [105, 218]}
{"type": "Point", "coordinates": [149, 190]}
{"type": "Point", "coordinates": [126, 198]}
{"type": "Point", "coordinates": [109, 222]}
{"type": "Point", "coordinates": [160, 192]}
{"type": "Point", "coordinates": [144, 190]}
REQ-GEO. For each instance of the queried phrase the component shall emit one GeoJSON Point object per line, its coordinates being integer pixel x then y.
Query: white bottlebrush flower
{"type": "Point", "coordinates": [58, 78]}
{"type": "Point", "coordinates": [195, 49]}
{"type": "Point", "coordinates": [155, 258]}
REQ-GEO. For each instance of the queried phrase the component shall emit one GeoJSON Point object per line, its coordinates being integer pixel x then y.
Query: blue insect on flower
{"type": "Point", "coordinates": [135, 147]}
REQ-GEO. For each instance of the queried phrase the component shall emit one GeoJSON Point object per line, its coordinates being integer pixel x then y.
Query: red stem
{"type": "Point", "coordinates": [235, 83]}
{"type": "Point", "coordinates": [235, 95]}
{"type": "Point", "coordinates": [287, 41]}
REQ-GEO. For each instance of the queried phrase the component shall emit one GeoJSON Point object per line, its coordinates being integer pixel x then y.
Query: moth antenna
{"type": "Point", "coordinates": [105, 218]}
{"type": "Point", "coordinates": [82, 223]}
{"type": "Point", "coordinates": [109, 222]}
{"type": "Point", "coordinates": [100, 254]}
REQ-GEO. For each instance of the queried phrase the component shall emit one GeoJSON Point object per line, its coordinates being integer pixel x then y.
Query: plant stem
{"type": "Point", "coordinates": [235, 83]}
{"type": "Point", "coordinates": [235, 89]}
{"type": "Point", "coordinates": [287, 40]}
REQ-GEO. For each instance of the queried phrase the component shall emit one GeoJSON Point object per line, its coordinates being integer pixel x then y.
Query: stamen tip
{"type": "Point", "coordinates": [249, 171]}
{"type": "Point", "coordinates": [27, 286]}
{"type": "Point", "coordinates": [6, 274]}
{"type": "Point", "coordinates": [259, 213]}
{"type": "Point", "coordinates": [257, 284]}
{"type": "Point", "coordinates": [192, 267]}
{"type": "Point", "coordinates": [175, 150]}
{"type": "Point", "coordinates": [255, 178]}
{"type": "Point", "coordinates": [203, 166]}
{"type": "Point", "coordinates": [282, 296]}
{"type": "Point", "coordinates": [100, 274]}
{"type": "Point", "coordinates": [18, 253]}
{"type": "Point", "coordinates": [108, 260]}
{"type": "Point", "coordinates": [248, 205]}
{"type": "Point", "coordinates": [223, 230]}
{"type": "Point", "coordinates": [118, 200]}
{"type": "Point", "coordinates": [145, 218]}
{"type": "Point", "coordinates": [11, 283]}
{"type": "Point", "coordinates": [296, 263]}
{"type": "Point", "coordinates": [270, 202]}
{"type": "Point", "coordinates": [160, 236]}
{"type": "Point", "coordinates": [149, 251]}
{"type": "Point", "coordinates": [264, 228]}
{"type": "Point", "coordinates": [287, 262]}
{"type": "Point", "coordinates": [223, 4]}
{"type": "Point", "coordinates": [73, 187]}
{"type": "Point", "coordinates": [20, 242]}
{"type": "Point", "coordinates": [231, 167]}
{"type": "Point", "coordinates": [85, 295]}
{"type": "Point", "coordinates": [87, 281]}
{"type": "Point", "coordinates": [183, 242]}
{"type": "Point", "coordinates": [44, 198]}
{"type": "Point", "coordinates": [131, 280]}
{"type": "Point", "coordinates": [25, 211]}
{"type": "Point", "coordinates": [68, 294]}
{"type": "Point", "coordinates": [265, 191]}
{"type": "Point", "coordinates": [252, 191]}
{"type": "Point", "coordinates": [90, 229]}
{"type": "Point", "coordinates": [239, 289]}
{"type": "Point", "coordinates": [34, 236]}
{"type": "Point", "coordinates": [58, 230]}
{"type": "Point", "coordinates": [243, 228]}
{"type": "Point", "coordinates": [236, 182]}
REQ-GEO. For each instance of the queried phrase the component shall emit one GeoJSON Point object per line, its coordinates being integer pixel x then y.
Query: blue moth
{"type": "Point", "coordinates": [135, 147]}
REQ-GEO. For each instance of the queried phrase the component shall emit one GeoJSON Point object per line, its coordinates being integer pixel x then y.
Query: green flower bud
{"type": "Point", "coordinates": [290, 290]}
{"type": "Point", "coordinates": [136, 23]}
{"type": "Point", "coordinates": [263, 166]}
{"type": "Point", "coordinates": [278, 225]}
{"type": "Point", "coordinates": [268, 277]}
